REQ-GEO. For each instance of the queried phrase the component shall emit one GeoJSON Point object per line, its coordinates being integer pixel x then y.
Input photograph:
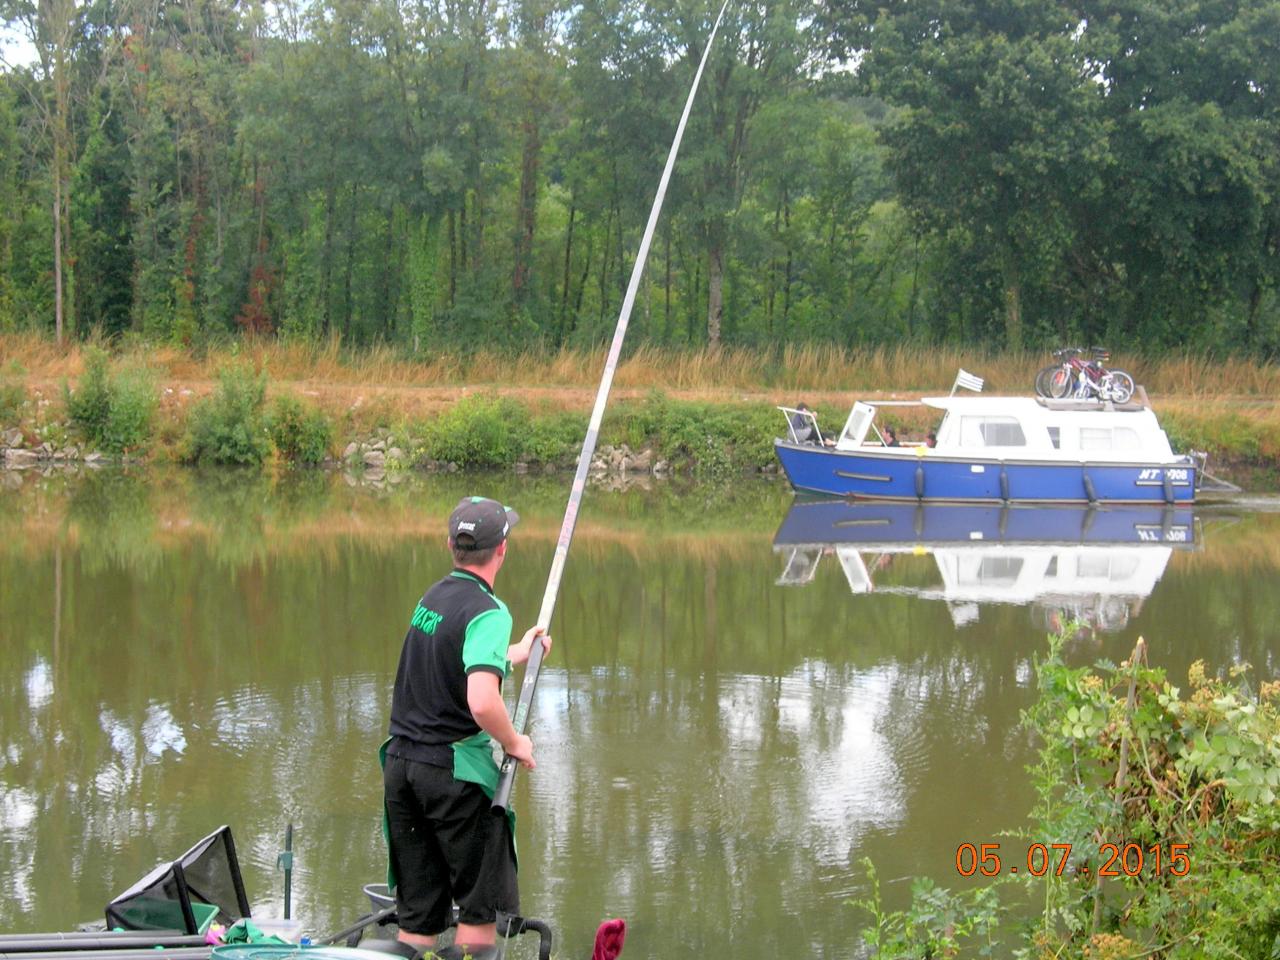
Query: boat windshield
{"type": "Point", "coordinates": [856, 427]}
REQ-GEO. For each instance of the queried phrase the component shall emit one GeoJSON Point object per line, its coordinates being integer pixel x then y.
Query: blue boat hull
{"type": "Point", "coordinates": [905, 475]}
{"type": "Point", "coordinates": [838, 522]}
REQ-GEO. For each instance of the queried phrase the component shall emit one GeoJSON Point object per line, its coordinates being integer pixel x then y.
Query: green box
{"type": "Point", "coordinates": [146, 913]}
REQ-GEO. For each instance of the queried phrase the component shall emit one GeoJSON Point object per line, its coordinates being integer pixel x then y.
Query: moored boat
{"type": "Point", "coordinates": [995, 449]}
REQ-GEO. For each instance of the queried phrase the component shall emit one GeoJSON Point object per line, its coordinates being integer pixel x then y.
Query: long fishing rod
{"type": "Point", "coordinates": [502, 796]}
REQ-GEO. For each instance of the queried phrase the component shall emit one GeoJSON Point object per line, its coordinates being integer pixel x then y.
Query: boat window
{"type": "Point", "coordinates": [1126, 439]}
{"type": "Point", "coordinates": [1095, 438]}
{"type": "Point", "coordinates": [991, 432]}
{"type": "Point", "coordinates": [1123, 568]}
{"type": "Point", "coordinates": [1094, 567]}
{"type": "Point", "coordinates": [856, 427]}
{"type": "Point", "coordinates": [1000, 569]}
{"type": "Point", "coordinates": [1055, 437]}
{"type": "Point", "coordinates": [1108, 438]}
{"type": "Point", "coordinates": [1116, 569]}
{"type": "Point", "coordinates": [990, 571]}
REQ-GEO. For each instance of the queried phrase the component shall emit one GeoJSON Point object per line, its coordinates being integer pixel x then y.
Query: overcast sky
{"type": "Point", "coordinates": [15, 48]}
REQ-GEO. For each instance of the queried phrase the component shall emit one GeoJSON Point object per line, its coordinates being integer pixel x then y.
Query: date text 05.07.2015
{"type": "Point", "coordinates": [1116, 859]}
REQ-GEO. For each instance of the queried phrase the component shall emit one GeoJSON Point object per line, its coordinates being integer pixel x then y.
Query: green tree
{"type": "Point", "coordinates": [51, 28]}
{"type": "Point", "coordinates": [761, 52]}
{"type": "Point", "coordinates": [1188, 239]}
{"type": "Point", "coordinates": [10, 202]}
{"type": "Point", "coordinates": [1001, 140]}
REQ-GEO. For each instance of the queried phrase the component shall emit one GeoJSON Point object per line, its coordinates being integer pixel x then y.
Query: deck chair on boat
{"type": "Point", "coordinates": [187, 894]}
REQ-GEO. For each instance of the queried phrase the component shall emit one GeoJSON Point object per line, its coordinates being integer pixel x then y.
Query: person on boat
{"type": "Point", "coordinates": [446, 845]}
{"type": "Point", "coordinates": [804, 425]}
{"type": "Point", "coordinates": [931, 438]}
{"type": "Point", "coordinates": [890, 437]}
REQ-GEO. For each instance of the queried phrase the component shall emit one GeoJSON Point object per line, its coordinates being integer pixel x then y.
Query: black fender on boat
{"type": "Point", "coordinates": [1088, 488]}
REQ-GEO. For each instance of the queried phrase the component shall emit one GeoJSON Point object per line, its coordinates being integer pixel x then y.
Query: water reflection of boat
{"type": "Point", "coordinates": [1091, 565]}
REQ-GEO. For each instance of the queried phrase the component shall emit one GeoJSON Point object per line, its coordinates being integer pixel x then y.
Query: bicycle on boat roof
{"type": "Point", "coordinates": [1073, 377]}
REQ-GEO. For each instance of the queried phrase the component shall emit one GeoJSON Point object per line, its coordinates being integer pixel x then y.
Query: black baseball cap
{"type": "Point", "coordinates": [478, 523]}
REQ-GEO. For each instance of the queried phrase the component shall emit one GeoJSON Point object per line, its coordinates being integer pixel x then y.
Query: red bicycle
{"type": "Point", "coordinates": [1089, 379]}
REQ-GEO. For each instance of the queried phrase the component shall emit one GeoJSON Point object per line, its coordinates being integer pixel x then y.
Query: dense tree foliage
{"type": "Point", "coordinates": [450, 172]}
{"type": "Point", "coordinates": [1106, 169]}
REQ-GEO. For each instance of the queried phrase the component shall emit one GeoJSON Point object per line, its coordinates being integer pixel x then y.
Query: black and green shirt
{"type": "Point", "coordinates": [459, 627]}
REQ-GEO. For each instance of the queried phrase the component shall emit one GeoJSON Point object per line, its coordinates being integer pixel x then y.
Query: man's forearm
{"type": "Point", "coordinates": [491, 713]}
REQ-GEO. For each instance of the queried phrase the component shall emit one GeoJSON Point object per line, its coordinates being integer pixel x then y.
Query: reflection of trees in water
{"type": "Point", "coordinates": [114, 517]}
{"type": "Point", "coordinates": [233, 503]}
{"type": "Point", "coordinates": [301, 493]}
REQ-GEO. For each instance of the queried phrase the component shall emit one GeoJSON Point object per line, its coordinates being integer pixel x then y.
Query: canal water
{"type": "Point", "coordinates": [727, 727]}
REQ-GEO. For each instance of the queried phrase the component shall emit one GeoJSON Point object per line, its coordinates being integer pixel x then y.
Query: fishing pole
{"type": "Point", "coordinates": [502, 796]}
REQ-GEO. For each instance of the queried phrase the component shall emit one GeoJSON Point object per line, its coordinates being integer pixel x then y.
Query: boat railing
{"type": "Point", "coordinates": [804, 419]}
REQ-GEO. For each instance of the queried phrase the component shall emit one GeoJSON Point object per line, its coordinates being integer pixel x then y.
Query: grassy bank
{"type": "Point", "coordinates": [697, 410]}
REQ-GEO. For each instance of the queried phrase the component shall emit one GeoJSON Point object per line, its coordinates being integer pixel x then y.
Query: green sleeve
{"type": "Point", "coordinates": [485, 645]}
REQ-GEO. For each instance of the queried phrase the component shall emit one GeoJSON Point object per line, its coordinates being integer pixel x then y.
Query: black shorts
{"type": "Point", "coordinates": [447, 846]}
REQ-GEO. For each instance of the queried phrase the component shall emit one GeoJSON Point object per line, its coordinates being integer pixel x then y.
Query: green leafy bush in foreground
{"type": "Point", "coordinates": [113, 412]}
{"type": "Point", "coordinates": [301, 433]}
{"type": "Point", "coordinates": [1127, 759]}
{"type": "Point", "coordinates": [229, 426]}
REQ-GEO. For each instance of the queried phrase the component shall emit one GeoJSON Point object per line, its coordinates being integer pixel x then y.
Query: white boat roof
{"type": "Point", "coordinates": [1020, 406]}
{"type": "Point", "coordinates": [1049, 430]}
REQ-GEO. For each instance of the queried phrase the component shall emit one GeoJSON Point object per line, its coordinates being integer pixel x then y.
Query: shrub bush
{"type": "Point", "coordinates": [132, 411]}
{"type": "Point", "coordinates": [229, 427]}
{"type": "Point", "coordinates": [1128, 759]}
{"type": "Point", "coordinates": [113, 412]}
{"type": "Point", "coordinates": [12, 397]}
{"type": "Point", "coordinates": [479, 432]}
{"type": "Point", "coordinates": [301, 432]}
{"type": "Point", "coordinates": [89, 405]}
{"type": "Point", "coordinates": [555, 437]}
{"type": "Point", "coordinates": [716, 437]}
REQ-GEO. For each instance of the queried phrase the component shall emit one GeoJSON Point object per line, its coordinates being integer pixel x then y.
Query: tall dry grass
{"type": "Point", "coordinates": [902, 369]}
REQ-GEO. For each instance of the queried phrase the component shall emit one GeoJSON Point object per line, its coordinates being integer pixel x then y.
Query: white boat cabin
{"type": "Point", "coordinates": [1020, 428]}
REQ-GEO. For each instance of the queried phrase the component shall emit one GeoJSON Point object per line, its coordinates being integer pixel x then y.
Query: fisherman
{"type": "Point", "coordinates": [446, 843]}
{"type": "Point", "coordinates": [804, 425]}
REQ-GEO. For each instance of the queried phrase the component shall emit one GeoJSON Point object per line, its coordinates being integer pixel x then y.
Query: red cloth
{"type": "Point", "coordinates": [609, 940]}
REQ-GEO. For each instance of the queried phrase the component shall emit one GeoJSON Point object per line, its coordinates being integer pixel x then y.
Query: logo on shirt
{"type": "Point", "coordinates": [426, 620]}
